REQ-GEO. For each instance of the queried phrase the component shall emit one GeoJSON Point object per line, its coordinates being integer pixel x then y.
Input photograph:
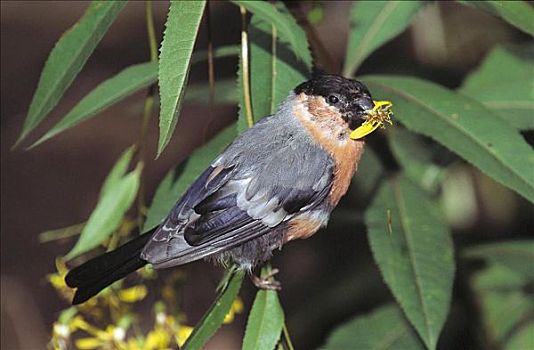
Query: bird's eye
{"type": "Point", "coordinates": [333, 99]}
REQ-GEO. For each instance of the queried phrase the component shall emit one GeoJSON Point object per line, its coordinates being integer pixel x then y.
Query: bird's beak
{"type": "Point", "coordinates": [381, 113]}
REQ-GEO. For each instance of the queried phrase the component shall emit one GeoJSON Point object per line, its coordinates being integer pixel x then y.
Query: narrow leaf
{"type": "Point", "coordinates": [179, 38]}
{"type": "Point", "coordinates": [384, 328]}
{"type": "Point", "coordinates": [214, 317]}
{"type": "Point", "coordinates": [462, 125]}
{"type": "Point", "coordinates": [109, 92]}
{"type": "Point", "coordinates": [413, 249]}
{"type": "Point", "coordinates": [275, 72]}
{"type": "Point", "coordinates": [288, 29]}
{"type": "Point", "coordinates": [178, 180]}
{"type": "Point", "coordinates": [108, 214]}
{"type": "Point", "coordinates": [372, 24]}
{"type": "Point", "coordinates": [118, 171]}
{"type": "Point", "coordinates": [516, 255]}
{"type": "Point", "coordinates": [67, 59]}
{"type": "Point", "coordinates": [265, 322]}
{"type": "Point", "coordinates": [520, 14]}
{"type": "Point", "coordinates": [504, 83]}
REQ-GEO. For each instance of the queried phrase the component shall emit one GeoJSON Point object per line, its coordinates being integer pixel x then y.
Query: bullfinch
{"type": "Point", "coordinates": [277, 182]}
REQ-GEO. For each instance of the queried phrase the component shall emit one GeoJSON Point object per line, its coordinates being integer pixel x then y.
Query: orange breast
{"type": "Point", "coordinates": [329, 130]}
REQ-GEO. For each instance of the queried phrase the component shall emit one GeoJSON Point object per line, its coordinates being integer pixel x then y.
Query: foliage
{"type": "Point", "coordinates": [480, 123]}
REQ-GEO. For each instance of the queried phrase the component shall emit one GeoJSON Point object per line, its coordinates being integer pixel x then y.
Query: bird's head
{"type": "Point", "coordinates": [345, 102]}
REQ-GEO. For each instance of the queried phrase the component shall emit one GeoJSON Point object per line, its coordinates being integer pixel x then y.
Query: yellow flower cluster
{"type": "Point", "coordinates": [114, 307]}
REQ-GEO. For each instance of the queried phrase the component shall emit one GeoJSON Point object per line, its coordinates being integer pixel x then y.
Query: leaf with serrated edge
{"type": "Point", "coordinates": [214, 317]}
{"type": "Point", "coordinates": [274, 73]}
{"type": "Point", "coordinates": [273, 77]}
{"type": "Point", "coordinates": [504, 83]}
{"type": "Point", "coordinates": [179, 38]}
{"type": "Point", "coordinates": [372, 24]}
{"type": "Point", "coordinates": [108, 213]}
{"type": "Point", "coordinates": [109, 92]}
{"type": "Point", "coordinates": [67, 59]}
{"type": "Point", "coordinates": [265, 322]}
{"type": "Point", "coordinates": [383, 328]}
{"type": "Point", "coordinates": [412, 247]}
{"type": "Point", "coordinates": [462, 125]}
{"type": "Point", "coordinates": [288, 29]}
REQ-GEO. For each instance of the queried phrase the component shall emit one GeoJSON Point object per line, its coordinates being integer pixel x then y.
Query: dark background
{"type": "Point", "coordinates": [326, 279]}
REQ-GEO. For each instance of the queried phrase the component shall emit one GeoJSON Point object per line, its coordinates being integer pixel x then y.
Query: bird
{"type": "Point", "coordinates": [276, 182]}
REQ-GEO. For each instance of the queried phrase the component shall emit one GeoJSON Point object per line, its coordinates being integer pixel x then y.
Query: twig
{"type": "Point", "coordinates": [244, 65]}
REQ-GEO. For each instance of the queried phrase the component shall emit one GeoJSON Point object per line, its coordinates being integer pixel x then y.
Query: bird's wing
{"type": "Point", "coordinates": [230, 204]}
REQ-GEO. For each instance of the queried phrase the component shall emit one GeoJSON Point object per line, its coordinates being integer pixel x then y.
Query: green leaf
{"type": "Point", "coordinates": [503, 300]}
{"type": "Point", "coordinates": [516, 255]}
{"type": "Point", "coordinates": [520, 14]}
{"type": "Point", "coordinates": [415, 157]}
{"type": "Point", "coordinates": [372, 24]}
{"type": "Point", "coordinates": [462, 125]}
{"type": "Point", "coordinates": [383, 328]}
{"type": "Point", "coordinates": [275, 71]}
{"type": "Point", "coordinates": [288, 29]}
{"type": "Point", "coordinates": [117, 173]}
{"type": "Point", "coordinates": [413, 249]}
{"type": "Point", "coordinates": [265, 322]}
{"type": "Point", "coordinates": [178, 180]}
{"type": "Point", "coordinates": [218, 52]}
{"type": "Point", "coordinates": [67, 59]}
{"type": "Point", "coordinates": [522, 339]}
{"type": "Point", "coordinates": [504, 83]}
{"type": "Point", "coordinates": [214, 317]}
{"type": "Point", "coordinates": [225, 92]}
{"type": "Point", "coordinates": [117, 195]}
{"type": "Point", "coordinates": [179, 38]}
{"type": "Point", "coordinates": [109, 92]}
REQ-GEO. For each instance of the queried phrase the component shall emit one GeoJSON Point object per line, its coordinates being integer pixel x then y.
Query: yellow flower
{"type": "Point", "coordinates": [57, 280]}
{"type": "Point", "coordinates": [183, 333]}
{"type": "Point", "coordinates": [157, 339]}
{"type": "Point", "coordinates": [237, 308]}
{"type": "Point", "coordinates": [133, 294]}
{"type": "Point", "coordinates": [89, 343]}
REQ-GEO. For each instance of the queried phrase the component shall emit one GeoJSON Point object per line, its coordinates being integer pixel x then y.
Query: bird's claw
{"type": "Point", "coordinates": [267, 282]}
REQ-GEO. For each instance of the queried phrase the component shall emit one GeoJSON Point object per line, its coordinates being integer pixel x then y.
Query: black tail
{"type": "Point", "coordinates": [98, 273]}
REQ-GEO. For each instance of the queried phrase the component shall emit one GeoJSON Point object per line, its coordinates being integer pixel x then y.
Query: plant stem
{"type": "Point", "coordinates": [147, 111]}
{"type": "Point", "coordinates": [211, 66]}
{"type": "Point", "coordinates": [151, 32]}
{"type": "Point", "coordinates": [273, 67]}
{"type": "Point", "coordinates": [244, 65]}
{"type": "Point", "coordinates": [287, 338]}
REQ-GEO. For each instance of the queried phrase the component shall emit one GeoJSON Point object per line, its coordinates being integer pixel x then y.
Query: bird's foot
{"type": "Point", "coordinates": [267, 281]}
